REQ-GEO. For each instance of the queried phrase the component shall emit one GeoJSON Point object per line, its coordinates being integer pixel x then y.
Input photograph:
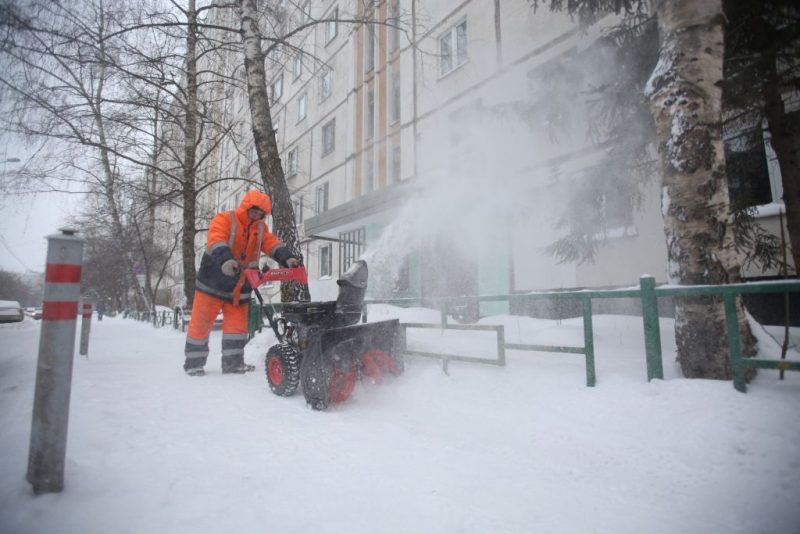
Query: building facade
{"type": "Point", "coordinates": [422, 143]}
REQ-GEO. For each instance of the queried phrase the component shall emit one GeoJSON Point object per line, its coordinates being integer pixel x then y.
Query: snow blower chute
{"type": "Point", "coordinates": [321, 345]}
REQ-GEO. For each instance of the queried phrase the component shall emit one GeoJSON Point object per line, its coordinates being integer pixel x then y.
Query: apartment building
{"type": "Point", "coordinates": [420, 144]}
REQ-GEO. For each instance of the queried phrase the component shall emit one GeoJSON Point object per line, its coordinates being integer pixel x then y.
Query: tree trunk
{"type": "Point", "coordinates": [189, 158]}
{"type": "Point", "coordinates": [110, 174]}
{"type": "Point", "coordinates": [269, 161]}
{"type": "Point", "coordinates": [685, 100]}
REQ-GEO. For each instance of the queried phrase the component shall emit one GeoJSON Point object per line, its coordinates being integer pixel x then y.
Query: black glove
{"type": "Point", "coordinates": [292, 262]}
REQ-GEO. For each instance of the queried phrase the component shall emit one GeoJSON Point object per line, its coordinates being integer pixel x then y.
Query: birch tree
{"type": "Point", "coordinates": [686, 98]}
{"type": "Point", "coordinates": [269, 161]}
{"type": "Point", "coordinates": [685, 101]}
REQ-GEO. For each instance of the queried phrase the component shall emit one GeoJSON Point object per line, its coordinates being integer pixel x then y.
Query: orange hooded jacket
{"type": "Point", "coordinates": [232, 235]}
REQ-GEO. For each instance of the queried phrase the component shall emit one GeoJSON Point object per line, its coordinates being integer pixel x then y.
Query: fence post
{"type": "Point", "coordinates": [501, 345]}
{"type": "Point", "coordinates": [48, 445]}
{"type": "Point", "coordinates": [86, 326]}
{"type": "Point", "coordinates": [588, 342]}
{"type": "Point", "coordinates": [652, 333]}
{"type": "Point", "coordinates": [734, 342]}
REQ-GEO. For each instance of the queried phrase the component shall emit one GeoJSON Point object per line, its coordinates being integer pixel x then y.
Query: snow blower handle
{"type": "Point", "coordinates": [284, 274]}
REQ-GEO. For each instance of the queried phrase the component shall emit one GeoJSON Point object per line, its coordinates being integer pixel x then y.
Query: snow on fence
{"type": "Point", "coordinates": [647, 293]}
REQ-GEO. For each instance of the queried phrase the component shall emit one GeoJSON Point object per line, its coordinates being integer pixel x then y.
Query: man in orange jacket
{"type": "Point", "coordinates": [236, 239]}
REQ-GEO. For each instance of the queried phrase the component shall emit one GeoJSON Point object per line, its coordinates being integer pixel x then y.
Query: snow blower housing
{"type": "Point", "coordinates": [323, 348]}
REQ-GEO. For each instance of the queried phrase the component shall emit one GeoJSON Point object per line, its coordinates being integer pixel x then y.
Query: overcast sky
{"type": "Point", "coordinates": [24, 225]}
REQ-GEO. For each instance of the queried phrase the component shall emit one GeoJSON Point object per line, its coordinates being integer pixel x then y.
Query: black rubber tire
{"type": "Point", "coordinates": [282, 367]}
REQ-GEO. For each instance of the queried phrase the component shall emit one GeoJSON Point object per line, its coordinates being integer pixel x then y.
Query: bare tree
{"type": "Point", "coordinates": [61, 88]}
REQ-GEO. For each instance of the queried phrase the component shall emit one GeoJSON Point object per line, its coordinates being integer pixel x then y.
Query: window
{"type": "Point", "coordinates": [292, 160]}
{"type": "Point", "coordinates": [276, 89]}
{"type": "Point", "coordinates": [369, 47]}
{"type": "Point", "coordinates": [328, 137]}
{"type": "Point", "coordinates": [325, 263]}
{"type": "Point", "coordinates": [453, 48]}
{"type": "Point", "coordinates": [394, 114]}
{"type": "Point", "coordinates": [301, 106]}
{"type": "Point", "coordinates": [325, 84]}
{"type": "Point", "coordinates": [351, 247]}
{"type": "Point", "coordinates": [321, 204]}
{"type": "Point", "coordinates": [394, 175]}
{"type": "Point", "coordinates": [369, 115]}
{"type": "Point", "coordinates": [297, 204]}
{"type": "Point", "coordinates": [297, 65]}
{"type": "Point", "coordinates": [394, 21]}
{"type": "Point", "coordinates": [369, 171]}
{"type": "Point", "coordinates": [330, 26]}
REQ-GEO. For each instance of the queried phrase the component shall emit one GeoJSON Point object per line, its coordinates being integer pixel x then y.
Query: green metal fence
{"type": "Point", "coordinates": [648, 294]}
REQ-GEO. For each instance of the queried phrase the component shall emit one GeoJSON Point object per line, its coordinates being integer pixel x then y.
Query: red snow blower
{"type": "Point", "coordinates": [321, 346]}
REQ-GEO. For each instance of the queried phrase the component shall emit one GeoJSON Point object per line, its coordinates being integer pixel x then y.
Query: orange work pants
{"type": "Point", "coordinates": [234, 331]}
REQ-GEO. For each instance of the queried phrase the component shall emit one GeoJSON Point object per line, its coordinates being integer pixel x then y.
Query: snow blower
{"type": "Point", "coordinates": [321, 346]}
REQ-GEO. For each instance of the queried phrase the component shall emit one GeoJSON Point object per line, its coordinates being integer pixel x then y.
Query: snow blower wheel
{"type": "Point", "coordinates": [341, 384]}
{"type": "Point", "coordinates": [283, 369]}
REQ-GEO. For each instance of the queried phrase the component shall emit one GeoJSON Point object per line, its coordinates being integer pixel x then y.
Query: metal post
{"type": "Point", "coordinates": [501, 345]}
{"type": "Point", "coordinates": [86, 326]}
{"type": "Point", "coordinates": [734, 342]}
{"type": "Point", "coordinates": [588, 342]}
{"type": "Point", "coordinates": [54, 368]}
{"type": "Point", "coordinates": [652, 333]}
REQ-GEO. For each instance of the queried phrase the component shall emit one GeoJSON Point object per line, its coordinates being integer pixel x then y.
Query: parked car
{"type": "Point", "coordinates": [10, 311]}
{"type": "Point", "coordinates": [33, 312]}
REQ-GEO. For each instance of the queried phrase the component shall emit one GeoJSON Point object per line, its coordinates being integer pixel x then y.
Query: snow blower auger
{"type": "Point", "coordinates": [321, 345]}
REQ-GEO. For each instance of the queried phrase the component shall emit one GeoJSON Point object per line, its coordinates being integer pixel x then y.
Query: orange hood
{"type": "Point", "coordinates": [253, 199]}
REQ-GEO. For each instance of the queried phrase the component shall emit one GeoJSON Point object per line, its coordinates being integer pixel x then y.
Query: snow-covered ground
{"type": "Point", "coordinates": [527, 448]}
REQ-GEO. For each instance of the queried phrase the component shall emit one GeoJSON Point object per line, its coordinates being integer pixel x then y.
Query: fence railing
{"type": "Point", "coordinates": [647, 293]}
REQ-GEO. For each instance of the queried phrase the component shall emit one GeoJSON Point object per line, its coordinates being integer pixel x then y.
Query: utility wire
{"type": "Point", "coordinates": [8, 248]}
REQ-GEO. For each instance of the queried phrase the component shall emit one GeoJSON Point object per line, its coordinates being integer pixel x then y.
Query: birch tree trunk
{"type": "Point", "coordinates": [189, 190]}
{"type": "Point", "coordinates": [685, 100]}
{"type": "Point", "coordinates": [269, 161]}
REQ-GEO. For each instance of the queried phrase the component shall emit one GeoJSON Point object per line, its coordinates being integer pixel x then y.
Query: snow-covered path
{"type": "Point", "coordinates": [525, 448]}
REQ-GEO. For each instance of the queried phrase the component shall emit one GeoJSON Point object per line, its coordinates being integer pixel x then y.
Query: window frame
{"type": "Point", "coordinates": [325, 89]}
{"type": "Point", "coordinates": [278, 82]}
{"type": "Point", "coordinates": [394, 21]}
{"type": "Point", "coordinates": [395, 99]}
{"type": "Point", "coordinates": [297, 205]}
{"type": "Point", "coordinates": [370, 38]}
{"type": "Point", "coordinates": [321, 198]}
{"type": "Point", "coordinates": [396, 162]}
{"type": "Point", "coordinates": [332, 23]}
{"type": "Point", "coordinates": [297, 65]}
{"type": "Point", "coordinates": [292, 162]}
{"type": "Point", "coordinates": [369, 114]}
{"type": "Point", "coordinates": [330, 126]}
{"type": "Point", "coordinates": [326, 260]}
{"type": "Point", "coordinates": [302, 106]}
{"type": "Point", "coordinates": [456, 57]}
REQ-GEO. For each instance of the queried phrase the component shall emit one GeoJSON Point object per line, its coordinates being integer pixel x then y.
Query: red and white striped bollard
{"type": "Point", "coordinates": [62, 290]}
